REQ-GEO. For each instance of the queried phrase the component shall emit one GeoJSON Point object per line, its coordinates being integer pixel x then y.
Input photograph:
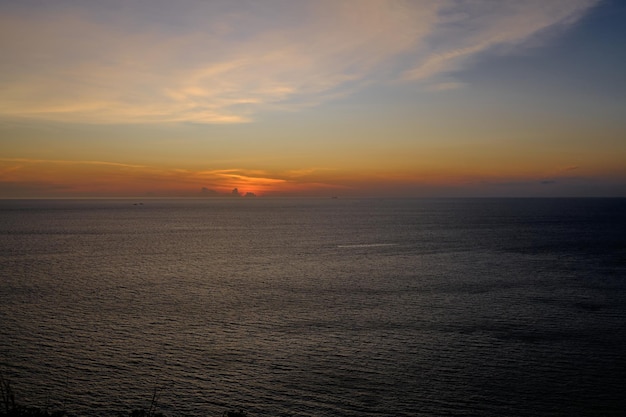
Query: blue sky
{"type": "Point", "coordinates": [355, 97]}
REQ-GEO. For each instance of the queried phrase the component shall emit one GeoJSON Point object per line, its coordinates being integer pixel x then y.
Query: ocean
{"type": "Point", "coordinates": [315, 307]}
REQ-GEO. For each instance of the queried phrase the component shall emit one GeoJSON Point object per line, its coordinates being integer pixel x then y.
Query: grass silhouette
{"type": "Point", "coordinates": [9, 407]}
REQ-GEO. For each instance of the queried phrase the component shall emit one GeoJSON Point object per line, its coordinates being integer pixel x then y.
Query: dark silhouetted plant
{"type": "Point", "coordinates": [10, 408]}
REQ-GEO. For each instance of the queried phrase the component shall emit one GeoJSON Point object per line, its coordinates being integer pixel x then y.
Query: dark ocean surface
{"type": "Point", "coordinates": [305, 307]}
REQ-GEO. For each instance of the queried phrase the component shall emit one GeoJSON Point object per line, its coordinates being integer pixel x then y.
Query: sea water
{"type": "Point", "coordinates": [315, 307]}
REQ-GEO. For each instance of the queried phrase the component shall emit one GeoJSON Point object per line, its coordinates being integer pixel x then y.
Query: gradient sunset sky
{"type": "Point", "coordinates": [367, 98]}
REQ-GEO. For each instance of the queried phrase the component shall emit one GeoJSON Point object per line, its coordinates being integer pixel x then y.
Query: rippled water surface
{"type": "Point", "coordinates": [316, 307]}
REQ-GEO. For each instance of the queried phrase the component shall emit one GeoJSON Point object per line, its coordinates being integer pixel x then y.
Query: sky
{"type": "Point", "coordinates": [320, 98]}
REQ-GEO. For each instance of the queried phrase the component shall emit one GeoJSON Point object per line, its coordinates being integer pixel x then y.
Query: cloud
{"type": "Point", "coordinates": [446, 86]}
{"type": "Point", "coordinates": [22, 177]}
{"type": "Point", "coordinates": [218, 62]}
{"type": "Point", "coordinates": [67, 162]}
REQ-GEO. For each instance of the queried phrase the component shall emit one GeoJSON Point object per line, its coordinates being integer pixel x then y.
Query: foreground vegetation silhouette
{"type": "Point", "coordinates": [9, 407]}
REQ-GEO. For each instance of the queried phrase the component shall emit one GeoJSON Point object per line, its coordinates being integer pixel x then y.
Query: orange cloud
{"type": "Point", "coordinates": [21, 177]}
{"type": "Point", "coordinates": [59, 178]}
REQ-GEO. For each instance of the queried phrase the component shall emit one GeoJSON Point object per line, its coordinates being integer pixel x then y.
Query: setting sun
{"type": "Point", "coordinates": [319, 98]}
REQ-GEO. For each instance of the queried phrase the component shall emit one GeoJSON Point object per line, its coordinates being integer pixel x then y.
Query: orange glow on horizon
{"type": "Point", "coordinates": [59, 178]}
{"type": "Point", "coordinates": [93, 178]}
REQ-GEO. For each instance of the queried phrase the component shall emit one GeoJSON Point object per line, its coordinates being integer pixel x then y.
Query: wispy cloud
{"type": "Point", "coordinates": [67, 162]}
{"type": "Point", "coordinates": [101, 178]}
{"type": "Point", "coordinates": [445, 86]}
{"type": "Point", "coordinates": [215, 62]}
{"type": "Point", "coordinates": [468, 28]}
